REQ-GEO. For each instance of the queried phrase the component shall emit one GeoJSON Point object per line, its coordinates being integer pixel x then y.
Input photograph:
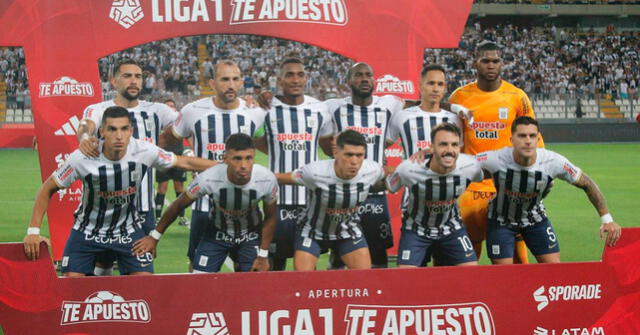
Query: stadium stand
{"type": "Point", "coordinates": [568, 71]}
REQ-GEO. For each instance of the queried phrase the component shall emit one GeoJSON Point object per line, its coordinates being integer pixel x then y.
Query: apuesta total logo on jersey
{"type": "Point", "coordinates": [65, 87]}
{"type": "Point", "coordinates": [104, 306]}
{"type": "Point", "coordinates": [331, 12]}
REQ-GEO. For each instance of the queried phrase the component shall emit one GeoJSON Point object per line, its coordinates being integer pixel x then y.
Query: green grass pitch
{"type": "Point", "coordinates": [612, 166]}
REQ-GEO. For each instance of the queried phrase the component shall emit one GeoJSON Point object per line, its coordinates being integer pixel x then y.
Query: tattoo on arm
{"type": "Point", "coordinates": [593, 192]}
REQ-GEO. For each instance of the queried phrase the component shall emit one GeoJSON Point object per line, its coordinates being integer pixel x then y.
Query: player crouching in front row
{"type": "Point", "coordinates": [431, 222]}
{"type": "Point", "coordinates": [336, 188]}
{"type": "Point", "coordinates": [523, 175]}
{"type": "Point", "coordinates": [106, 219]}
{"type": "Point", "coordinates": [236, 225]}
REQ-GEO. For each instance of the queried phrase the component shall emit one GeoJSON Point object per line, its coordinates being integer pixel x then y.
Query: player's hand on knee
{"type": "Point", "coordinates": [260, 264]}
{"type": "Point", "coordinates": [419, 157]}
{"type": "Point", "coordinates": [613, 231]}
{"type": "Point", "coordinates": [89, 146]}
{"type": "Point", "coordinates": [32, 245]}
{"type": "Point", "coordinates": [144, 245]}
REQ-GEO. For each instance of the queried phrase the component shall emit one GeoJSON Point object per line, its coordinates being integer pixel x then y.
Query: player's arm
{"type": "Point", "coordinates": [87, 141]}
{"type": "Point", "coordinates": [33, 239]}
{"type": "Point", "coordinates": [168, 138]}
{"type": "Point", "coordinates": [261, 144]}
{"type": "Point", "coordinates": [608, 227]}
{"type": "Point", "coordinates": [286, 178]}
{"type": "Point", "coordinates": [261, 263]}
{"type": "Point", "coordinates": [327, 144]}
{"type": "Point", "coordinates": [150, 242]}
{"type": "Point", "coordinates": [193, 163]}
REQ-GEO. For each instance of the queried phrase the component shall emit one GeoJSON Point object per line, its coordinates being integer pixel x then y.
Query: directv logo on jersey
{"type": "Point", "coordinates": [567, 293]}
{"type": "Point", "coordinates": [331, 12]}
{"type": "Point", "coordinates": [391, 84]}
{"type": "Point", "coordinates": [66, 86]}
{"type": "Point", "coordinates": [207, 324]}
{"type": "Point", "coordinates": [104, 306]}
{"type": "Point", "coordinates": [569, 331]}
{"type": "Point", "coordinates": [467, 318]}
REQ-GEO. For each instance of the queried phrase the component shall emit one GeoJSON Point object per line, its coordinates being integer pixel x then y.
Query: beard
{"type": "Point", "coordinates": [125, 94]}
{"type": "Point", "coordinates": [361, 94]}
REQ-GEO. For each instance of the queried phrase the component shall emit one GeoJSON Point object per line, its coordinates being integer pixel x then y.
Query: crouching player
{"type": "Point", "coordinates": [336, 190]}
{"type": "Point", "coordinates": [236, 227]}
{"type": "Point", "coordinates": [431, 221]}
{"type": "Point", "coordinates": [107, 218]}
{"type": "Point", "coordinates": [523, 175]}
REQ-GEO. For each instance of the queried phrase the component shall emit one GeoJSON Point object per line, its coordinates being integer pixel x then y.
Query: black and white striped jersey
{"type": "Point", "coordinates": [332, 203]}
{"type": "Point", "coordinates": [370, 121]}
{"type": "Point", "coordinates": [413, 126]}
{"type": "Point", "coordinates": [235, 208]}
{"type": "Point", "coordinates": [148, 119]}
{"type": "Point", "coordinates": [210, 126]}
{"type": "Point", "coordinates": [520, 189]}
{"type": "Point", "coordinates": [432, 209]}
{"type": "Point", "coordinates": [292, 134]}
{"type": "Point", "coordinates": [108, 207]}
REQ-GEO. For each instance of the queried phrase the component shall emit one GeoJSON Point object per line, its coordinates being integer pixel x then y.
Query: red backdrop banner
{"type": "Point", "coordinates": [63, 40]}
{"type": "Point", "coordinates": [591, 298]}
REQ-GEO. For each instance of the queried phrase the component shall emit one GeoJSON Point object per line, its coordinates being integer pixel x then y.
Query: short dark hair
{"type": "Point", "coordinates": [524, 120]}
{"type": "Point", "coordinates": [445, 126]}
{"type": "Point", "coordinates": [115, 112]}
{"type": "Point", "coordinates": [124, 61]}
{"type": "Point", "coordinates": [290, 60]}
{"type": "Point", "coordinates": [350, 137]}
{"type": "Point", "coordinates": [432, 67]}
{"type": "Point", "coordinates": [487, 46]}
{"type": "Point", "coordinates": [239, 141]}
{"type": "Point", "coordinates": [169, 100]}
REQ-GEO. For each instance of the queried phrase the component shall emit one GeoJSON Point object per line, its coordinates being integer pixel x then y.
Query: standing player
{"type": "Point", "coordinates": [236, 188]}
{"type": "Point", "coordinates": [431, 221]}
{"type": "Point", "coordinates": [149, 118]}
{"type": "Point", "coordinates": [523, 175]}
{"type": "Point", "coordinates": [211, 121]}
{"type": "Point", "coordinates": [107, 219]}
{"type": "Point", "coordinates": [294, 125]}
{"type": "Point", "coordinates": [495, 104]}
{"type": "Point", "coordinates": [337, 188]}
{"type": "Point", "coordinates": [368, 115]}
{"type": "Point", "coordinates": [413, 125]}
{"type": "Point", "coordinates": [177, 176]}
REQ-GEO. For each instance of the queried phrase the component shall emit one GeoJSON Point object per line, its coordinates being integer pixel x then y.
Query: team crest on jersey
{"type": "Point", "coordinates": [392, 84]}
{"type": "Point", "coordinates": [503, 113]}
{"type": "Point", "coordinates": [66, 87]}
{"type": "Point", "coordinates": [312, 122]}
{"type": "Point", "coordinates": [134, 175]}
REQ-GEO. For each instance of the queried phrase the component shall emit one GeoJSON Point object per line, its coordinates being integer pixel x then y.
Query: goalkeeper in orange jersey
{"type": "Point", "coordinates": [495, 104]}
